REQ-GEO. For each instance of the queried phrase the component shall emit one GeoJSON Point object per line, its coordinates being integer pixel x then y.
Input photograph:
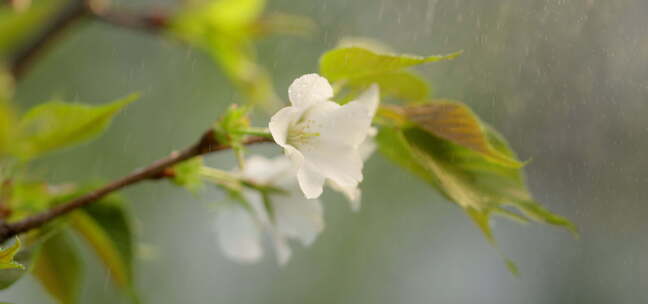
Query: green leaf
{"type": "Point", "coordinates": [56, 124]}
{"type": "Point", "coordinates": [7, 256]}
{"type": "Point", "coordinates": [24, 257]}
{"type": "Point", "coordinates": [234, 13]}
{"type": "Point", "coordinates": [16, 27]}
{"type": "Point", "coordinates": [221, 15]}
{"type": "Point", "coordinates": [355, 62]}
{"type": "Point", "coordinates": [539, 213]}
{"type": "Point", "coordinates": [187, 174]}
{"type": "Point", "coordinates": [105, 226]}
{"type": "Point", "coordinates": [7, 128]}
{"type": "Point", "coordinates": [28, 197]}
{"type": "Point", "coordinates": [393, 144]}
{"type": "Point", "coordinates": [480, 186]}
{"type": "Point", "coordinates": [455, 122]}
{"type": "Point", "coordinates": [403, 85]}
{"type": "Point", "coordinates": [58, 268]}
{"type": "Point", "coordinates": [7, 114]}
{"type": "Point", "coordinates": [225, 29]}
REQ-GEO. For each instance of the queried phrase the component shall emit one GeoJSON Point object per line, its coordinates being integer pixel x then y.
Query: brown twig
{"type": "Point", "coordinates": [205, 145]}
{"type": "Point", "coordinates": [68, 15]}
{"type": "Point", "coordinates": [153, 21]}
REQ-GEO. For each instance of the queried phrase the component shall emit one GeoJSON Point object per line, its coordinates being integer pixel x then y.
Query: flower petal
{"type": "Point", "coordinates": [238, 234]}
{"type": "Point", "coordinates": [342, 164]}
{"type": "Point", "coordinates": [294, 155]}
{"type": "Point", "coordinates": [282, 249]}
{"type": "Point", "coordinates": [368, 146]}
{"type": "Point", "coordinates": [298, 217]}
{"type": "Point", "coordinates": [341, 125]}
{"type": "Point", "coordinates": [353, 194]}
{"type": "Point", "coordinates": [310, 181]}
{"type": "Point", "coordinates": [266, 170]}
{"type": "Point", "coordinates": [309, 89]}
{"type": "Point", "coordinates": [370, 98]}
{"type": "Point", "coordinates": [281, 121]}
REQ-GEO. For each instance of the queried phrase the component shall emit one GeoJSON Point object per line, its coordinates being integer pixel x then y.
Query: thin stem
{"type": "Point", "coordinates": [206, 144]}
{"type": "Point", "coordinates": [220, 177]}
{"type": "Point", "coordinates": [254, 131]}
{"type": "Point", "coordinates": [240, 156]}
{"type": "Point", "coordinates": [225, 178]}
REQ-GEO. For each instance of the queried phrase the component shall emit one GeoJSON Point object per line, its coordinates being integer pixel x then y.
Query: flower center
{"type": "Point", "coordinates": [299, 135]}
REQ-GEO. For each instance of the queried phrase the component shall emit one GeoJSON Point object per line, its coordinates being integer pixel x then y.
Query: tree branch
{"type": "Point", "coordinates": [69, 14]}
{"type": "Point", "coordinates": [152, 21]}
{"type": "Point", "coordinates": [206, 144]}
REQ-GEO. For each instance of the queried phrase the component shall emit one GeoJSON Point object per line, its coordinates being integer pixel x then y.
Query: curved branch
{"type": "Point", "coordinates": [152, 21]}
{"type": "Point", "coordinates": [69, 14]}
{"type": "Point", "coordinates": [206, 144]}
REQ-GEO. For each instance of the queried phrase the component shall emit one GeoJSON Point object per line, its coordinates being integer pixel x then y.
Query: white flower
{"type": "Point", "coordinates": [321, 137]}
{"type": "Point", "coordinates": [353, 193]}
{"type": "Point", "coordinates": [288, 215]}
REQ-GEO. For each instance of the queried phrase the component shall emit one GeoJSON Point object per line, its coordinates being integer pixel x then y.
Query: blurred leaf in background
{"type": "Point", "coordinates": [105, 226]}
{"type": "Point", "coordinates": [225, 28]}
{"type": "Point", "coordinates": [58, 268]}
{"type": "Point", "coordinates": [57, 124]}
{"type": "Point", "coordinates": [17, 26]}
{"type": "Point", "coordinates": [7, 114]}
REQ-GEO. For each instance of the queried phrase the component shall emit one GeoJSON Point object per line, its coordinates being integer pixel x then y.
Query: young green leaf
{"type": "Point", "coordinates": [221, 15]}
{"type": "Point", "coordinates": [25, 256]}
{"type": "Point", "coordinates": [16, 27]}
{"type": "Point", "coordinates": [478, 185]}
{"type": "Point", "coordinates": [7, 256]}
{"type": "Point", "coordinates": [225, 30]}
{"type": "Point", "coordinates": [58, 268]}
{"type": "Point", "coordinates": [455, 122]}
{"type": "Point", "coordinates": [354, 62]}
{"type": "Point", "coordinates": [56, 124]}
{"type": "Point", "coordinates": [403, 85]}
{"type": "Point", "coordinates": [393, 144]}
{"type": "Point", "coordinates": [105, 226]}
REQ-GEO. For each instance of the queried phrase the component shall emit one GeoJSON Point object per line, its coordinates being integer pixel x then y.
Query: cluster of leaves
{"type": "Point", "coordinates": [49, 253]}
{"type": "Point", "coordinates": [440, 141]}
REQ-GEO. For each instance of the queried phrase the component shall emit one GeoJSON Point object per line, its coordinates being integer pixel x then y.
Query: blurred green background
{"type": "Point", "coordinates": [565, 81]}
